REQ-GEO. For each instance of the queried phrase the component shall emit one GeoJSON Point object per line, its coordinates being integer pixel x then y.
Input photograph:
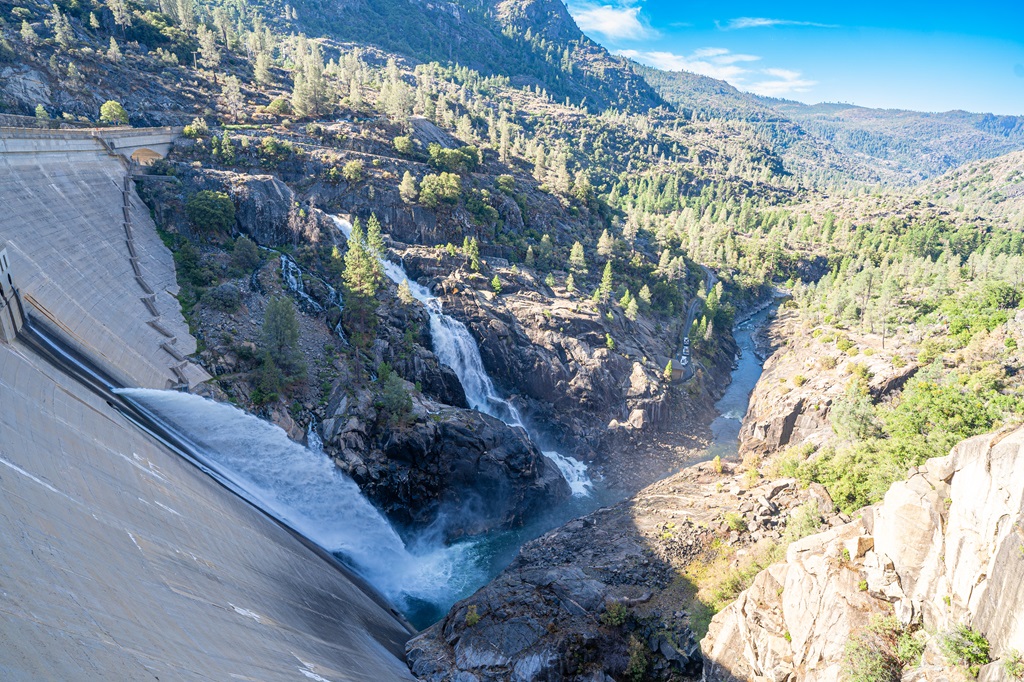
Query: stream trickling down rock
{"type": "Point", "coordinates": [418, 573]}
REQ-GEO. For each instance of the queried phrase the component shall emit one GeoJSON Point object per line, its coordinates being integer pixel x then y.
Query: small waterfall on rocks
{"type": "Point", "coordinates": [305, 489]}
{"type": "Point", "coordinates": [292, 275]}
{"type": "Point", "coordinates": [456, 347]}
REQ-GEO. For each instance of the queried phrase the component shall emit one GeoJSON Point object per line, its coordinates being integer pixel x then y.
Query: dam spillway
{"type": "Point", "coordinates": [120, 559]}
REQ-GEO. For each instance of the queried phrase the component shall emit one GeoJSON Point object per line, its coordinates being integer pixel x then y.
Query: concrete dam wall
{"type": "Point", "coordinates": [120, 559]}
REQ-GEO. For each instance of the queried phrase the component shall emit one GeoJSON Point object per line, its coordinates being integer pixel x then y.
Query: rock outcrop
{"type": "Point", "coordinates": [607, 593]}
{"type": "Point", "coordinates": [803, 376]}
{"type": "Point", "coordinates": [945, 548]}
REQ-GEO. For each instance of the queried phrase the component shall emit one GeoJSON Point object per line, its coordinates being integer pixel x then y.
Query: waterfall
{"type": "Point", "coordinates": [303, 487]}
{"type": "Point", "coordinates": [292, 275]}
{"type": "Point", "coordinates": [456, 348]}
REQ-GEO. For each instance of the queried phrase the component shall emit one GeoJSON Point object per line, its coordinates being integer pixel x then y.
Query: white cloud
{"type": "Point", "coordinates": [763, 22]}
{"type": "Point", "coordinates": [617, 22]}
{"type": "Point", "coordinates": [783, 82]}
{"type": "Point", "coordinates": [734, 68]}
{"type": "Point", "coordinates": [716, 62]}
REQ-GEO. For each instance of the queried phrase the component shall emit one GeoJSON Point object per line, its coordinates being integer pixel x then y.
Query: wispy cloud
{"type": "Point", "coordinates": [781, 82]}
{"type": "Point", "coordinates": [616, 22]}
{"type": "Point", "coordinates": [764, 22]}
{"type": "Point", "coordinates": [734, 68]}
{"type": "Point", "coordinates": [716, 62]}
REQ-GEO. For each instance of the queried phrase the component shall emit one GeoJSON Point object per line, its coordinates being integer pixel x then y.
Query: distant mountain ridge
{"type": "Point", "coordinates": [873, 145]}
{"type": "Point", "coordinates": [533, 42]}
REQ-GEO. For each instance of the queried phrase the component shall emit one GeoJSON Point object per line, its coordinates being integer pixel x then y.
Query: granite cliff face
{"type": "Point", "coordinates": [945, 548]}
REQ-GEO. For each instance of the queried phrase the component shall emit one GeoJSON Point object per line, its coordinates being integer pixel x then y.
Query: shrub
{"type": "Point", "coordinates": [226, 298]}
{"type": "Point", "coordinates": [615, 613]}
{"type": "Point", "coordinates": [806, 520]}
{"type": "Point", "coordinates": [391, 398]}
{"type": "Point", "coordinates": [210, 211]}
{"type": "Point", "coordinates": [799, 380]}
{"type": "Point", "coordinates": [966, 648]}
{"type": "Point", "coordinates": [437, 189]}
{"type": "Point", "coordinates": [404, 145]}
{"type": "Point", "coordinates": [882, 651]}
{"type": "Point", "coordinates": [472, 615]}
{"type": "Point", "coordinates": [716, 464]}
{"type": "Point", "coordinates": [505, 183]}
{"type": "Point", "coordinates": [609, 342]}
{"type": "Point", "coordinates": [453, 160]}
{"type": "Point", "coordinates": [496, 285]}
{"type": "Point", "coordinates": [735, 521]}
{"type": "Point", "coordinates": [281, 337]}
{"type": "Point", "coordinates": [1013, 664]}
{"type": "Point", "coordinates": [245, 257]}
{"type": "Point", "coordinates": [352, 171]}
{"type": "Point", "coordinates": [280, 107]}
{"type": "Point", "coordinates": [898, 361]}
{"type": "Point", "coordinates": [844, 344]}
{"type": "Point", "coordinates": [636, 668]}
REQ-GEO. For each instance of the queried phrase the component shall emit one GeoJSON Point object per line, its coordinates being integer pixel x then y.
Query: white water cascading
{"type": "Point", "coordinates": [456, 348]}
{"type": "Point", "coordinates": [291, 273]}
{"type": "Point", "coordinates": [305, 489]}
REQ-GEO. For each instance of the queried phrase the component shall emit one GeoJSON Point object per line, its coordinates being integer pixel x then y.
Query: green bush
{"type": "Point", "coordinates": [1013, 664]}
{"type": "Point", "coordinates": [615, 614]}
{"type": "Point", "coordinates": [966, 648]}
{"type": "Point", "coordinates": [196, 129]}
{"type": "Point", "coordinates": [882, 651]}
{"type": "Point", "coordinates": [352, 171]}
{"type": "Point", "coordinates": [210, 212]}
{"type": "Point", "coordinates": [453, 160]}
{"type": "Point", "coordinates": [805, 521]}
{"type": "Point", "coordinates": [735, 521]}
{"type": "Point", "coordinates": [391, 398]}
{"type": "Point", "coordinates": [245, 257]}
{"type": "Point", "coordinates": [437, 189]}
{"type": "Point", "coordinates": [404, 145]}
{"type": "Point", "coordinates": [636, 667]}
{"type": "Point", "coordinates": [112, 113]}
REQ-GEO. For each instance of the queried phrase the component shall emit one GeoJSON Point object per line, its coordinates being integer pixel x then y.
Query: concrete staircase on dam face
{"type": "Point", "coordinates": [87, 257]}
{"type": "Point", "coordinates": [119, 560]}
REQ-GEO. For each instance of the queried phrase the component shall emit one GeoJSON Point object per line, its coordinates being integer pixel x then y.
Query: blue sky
{"type": "Point", "coordinates": [925, 56]}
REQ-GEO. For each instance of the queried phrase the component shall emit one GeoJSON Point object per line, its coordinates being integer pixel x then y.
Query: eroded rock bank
{"type": "Point", "coordinates": [945, 548]}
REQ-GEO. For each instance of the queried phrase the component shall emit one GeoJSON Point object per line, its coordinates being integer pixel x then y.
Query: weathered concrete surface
{"type": "Point", "coordinates": [63, 222]}
{"type": "Point", "coordinates": [118, 559]}
{"type": "Point", "coordinates": [122, 561]}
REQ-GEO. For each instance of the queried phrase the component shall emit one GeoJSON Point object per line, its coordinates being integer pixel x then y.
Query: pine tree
{"type": "Point", "coordinates": [606, 281]}
{"type": "Point", "coordinates": [645, 295]}
{"type": "Point", "coordinates": [632, 310]}
{"type": "Point", "coordinates": [281, 335]}
{"type": "Point", "coordinates": [262, 69]}
{"type": "Point", "coordinates": [667, 374]}
{"type": "Point", "coordinates": [531, 258]}
{"type": "Point", "coordinates": [577, 260]}
{"type": "Point", "coordinates": [113, 52]}
{"type": "Point", "coordinates": [407, 189]}
{"type": "Point", "coordinates": [94, 21]}
{"type": "Point", "coordinates": [605, 245]}
{"type": "Point", "coordinates": [471, 249]}
{"type": "Point", "coordinates": [231, 91]}
{"type": "Point", "coordinates": [405, 292]}
{"type": "Point", "coordinates": [61, 28]}
{"type": "Point", "coordinates": [374, 239]}
{"type": "Point", "coordinates": [122, 17]}
{"type": "Point", "coordinates": [28, 34]}
{"type": "Point", "coordinates": [355, 94]}
{"type": "Point", "coordinates": [41, 114]}
{"type": "Point", "coordinates": [570, 283]}
{"type": "Point", "coordinates": [209, 53]}
{"type": "Point", "coordinates": [665, 262]}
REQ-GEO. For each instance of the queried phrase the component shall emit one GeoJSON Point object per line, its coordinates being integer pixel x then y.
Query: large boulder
{"type": "Point", "coordinates": [459, 470]}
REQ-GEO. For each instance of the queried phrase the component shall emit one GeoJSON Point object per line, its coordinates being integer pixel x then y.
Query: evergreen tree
{"type": "Point", "coordinates": [570, 283]}
{"type": "Point", "coordinates": [407, 189]}
{"type": "Point", "coordinates": [234, 101]}
{"type": "Point", "coordinates": [209, 53]}
{"type": "Point", "coordinates": [28, 34]}
{"type": "Point", "coordinates": [471, 249]}
{"type": "Point", "coordinates": [112, 113]}
{"type": "Point", "coordinates": [577, 260]}
{"type": "Point", "coordinates": [405, 292]}
{"type": "Point", "coordinates": [42, 117]}
{"type": "Point", "coordinates": [61, 28]}
{"type": "Point", "coordinates": [122, 16]}
{"type": "Point", "coordinates": [632, 310]}
{"type": "Point", "coordinates": [374, 239]}
{"type": "Point", "coordinates": [667, 374]}
{"type": "Point", "coordinates": [113, 52]}
{"type": "Point", "coordinates": [262, 69]}
{"type": "Point", "coordinates": [605, 245]}
{"type": "Point", "coordinates": [606, 281]}
{"type": "Point", "coordinates": [363, 272]}
{"type": "Point", "coordinates": [531, 259]}
{"type": "Point", "coordinates": [281, 335]}
{"type": "Point", "coordinates": [645, 295]}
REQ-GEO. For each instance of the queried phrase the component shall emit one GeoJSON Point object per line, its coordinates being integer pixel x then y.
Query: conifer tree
{"type": "Point", "coordinates": [61, 28]}
{"type": "Point", "coordinates": [113, 52]}
{"type": "Point", "coordinates": [209, 53]}
{"type": "Point", "coordinates": [407, 189]}
{"type": "Point", "coordinates": [405, 292]}
{"type": "Point", "coordinates": [632, 310]}
{"type": "Point", "coordinates": [570, 283]}
{"type": "Point", "coordinates": [605, 245]}
{"type": "Point", "coordinates": [28, 34]}
{"type": "Point", "coordinates": [606, 281]}
{"type": "Point", "coordinates": [471, 248]}
{"type": "Point", "coordinates": [122, 16]}
{"type": "Point", "coordinates": [231, 91]}
{"type": "Point", "coordinates": [261, 71]}
{"type": "Point", "coordinates": [531, 258]}
{"type": "Point", "coordinates": [374, 239]}
{"type": "Point", "coordinates": [577, 260]}
{"type": "Point", "coordinates": [645, 295]}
